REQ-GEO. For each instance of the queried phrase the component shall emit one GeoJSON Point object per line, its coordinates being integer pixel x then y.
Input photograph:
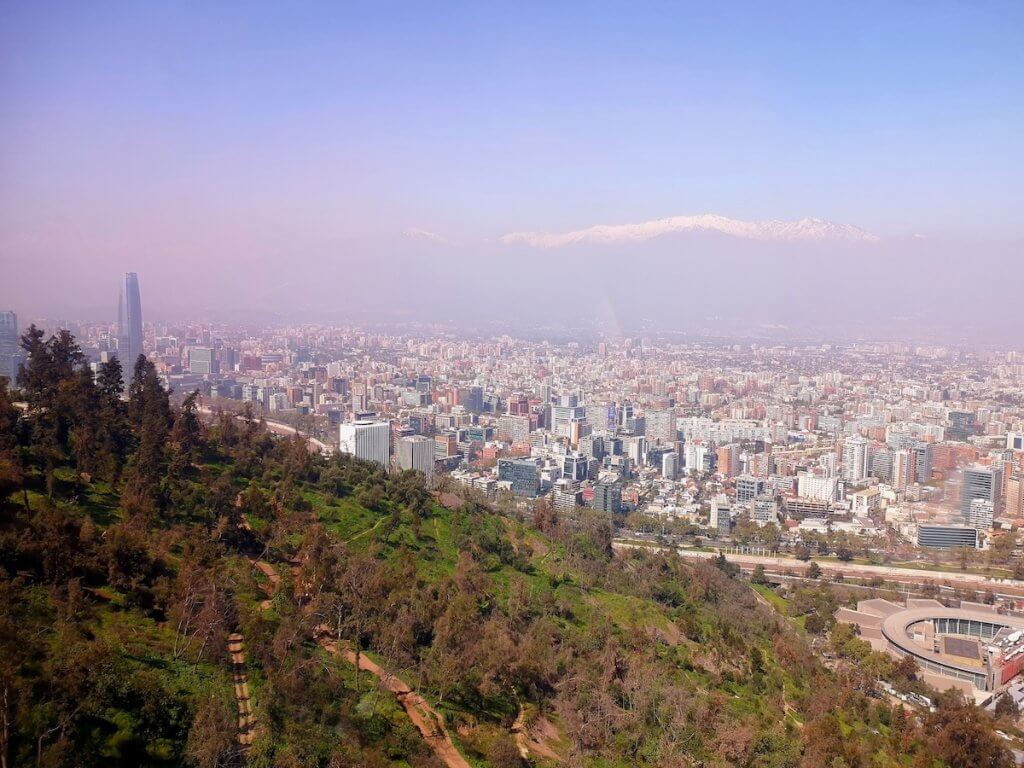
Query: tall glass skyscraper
{"type": "Point", "coordinates": [10, 352]}
{"type": "Point", "coordinates": [129, 323]}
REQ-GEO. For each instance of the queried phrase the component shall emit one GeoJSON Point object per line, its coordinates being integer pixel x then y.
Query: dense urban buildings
{"type": "Point", "coordinates": [915, 446]}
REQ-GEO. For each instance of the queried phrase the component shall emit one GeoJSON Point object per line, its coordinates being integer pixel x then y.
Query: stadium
{"type": "Point", "coordinates": [972, 647]}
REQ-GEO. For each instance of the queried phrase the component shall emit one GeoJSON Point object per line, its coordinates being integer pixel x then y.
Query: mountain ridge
{"type": "Point", "coordinates": [805, 229]}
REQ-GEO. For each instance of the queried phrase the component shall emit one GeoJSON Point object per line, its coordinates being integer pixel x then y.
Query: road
{"type": "Point", "coordinates": [915, 576]}
{"type": "Point", "coordinates": [278, 428]}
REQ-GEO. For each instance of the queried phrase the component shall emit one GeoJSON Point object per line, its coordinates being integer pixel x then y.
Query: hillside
{"type": "Point", "coordinates": [174, 593]}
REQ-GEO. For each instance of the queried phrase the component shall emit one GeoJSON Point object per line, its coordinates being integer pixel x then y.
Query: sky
{"type": "Point", "coordinates": [285, 157]}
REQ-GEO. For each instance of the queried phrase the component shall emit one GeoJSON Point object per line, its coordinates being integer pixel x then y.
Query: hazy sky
{"type": "Point", "coordinates": [266, 152]}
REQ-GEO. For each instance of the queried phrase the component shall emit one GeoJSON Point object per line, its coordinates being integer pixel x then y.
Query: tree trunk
{"type": "Point", "coordinates": [357, 667]}
{"type": "Point", "coordinates": [5, 726]}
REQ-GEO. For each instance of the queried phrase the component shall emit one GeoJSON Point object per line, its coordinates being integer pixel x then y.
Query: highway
{"type": "Point", "coordinates": [913, 576]}
{"type": "Point", "coordinates": [278, 428]}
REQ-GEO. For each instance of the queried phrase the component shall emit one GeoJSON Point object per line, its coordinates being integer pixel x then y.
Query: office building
{"type": "Point", "coordinates": [566, 418]}
{"type": "Point", "coordinates": [947, 536]}
{"type": "Point", "coordinates": [521, 474]}
{"type": "Point", "coordinates": [749, 488]}
{"type": "Point", "coordinates": [416, 452]}
{"type": "Point", "coordinates": [566, 495]}
{"type": "Point", "coordinates": [1015, 441]}
{"type": "Point", "coordinates": [445, 445]}
{"type": "Point", "coordinates": [981, 482]}
{"type": "Point", "coordinates": [574, 466]}
{"type": "Point", "coordinates": [720, 520]}
{"type": "Point", "coordinates": [608, 497]}
{"type": "Point", "coordinates": [922, 458]}
{"type": "Point", "coordinates": [980, 515]}
{"type": "Point", "coordinates": [669, 465]}
{"type": "Point", "coordinates": [660, 427]}
{"type": "Point", "coordinates": [764, 510]}
{"type": "Point", "coordinates": [201, 360]}
{"type": "Point", "coordinates": [367, 440]}
{"type": "Point", "coordinates": [962, 425]}
{"type": "Point", "coordinates": [129, 323]}
{"type": "Point", "coordinates": [10, 348]}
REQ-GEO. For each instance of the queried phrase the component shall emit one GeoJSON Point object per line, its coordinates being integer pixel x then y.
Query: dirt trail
{"type": "Point", "coordinates": [427, 720]}
{"type": "Point", "coordinates": [240, 678]}
{"type": "Point", "coordinates": [272, 576]}
{"type": "Point", "coordinates": [236, 645]}
{"type": "Point", "coordinates": [531, 743]}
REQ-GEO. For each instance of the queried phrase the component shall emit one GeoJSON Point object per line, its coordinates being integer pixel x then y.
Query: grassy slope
{"type": "Point", "coordinates": [436, 551]}
{"type": "Point", "coordinates": [696, 664]}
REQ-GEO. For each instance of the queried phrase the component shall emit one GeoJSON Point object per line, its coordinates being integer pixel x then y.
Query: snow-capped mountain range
{"type": "Point", "coordinates": [817, 230]}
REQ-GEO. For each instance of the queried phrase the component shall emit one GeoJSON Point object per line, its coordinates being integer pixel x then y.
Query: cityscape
{"type": "Point", "coordinates": [512, 388]}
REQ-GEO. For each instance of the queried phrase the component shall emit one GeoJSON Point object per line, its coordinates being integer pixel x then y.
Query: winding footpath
{"type": "Point", "coordinates": [428, 721]}
{"type": "Point", "coordinates": [240, 678]}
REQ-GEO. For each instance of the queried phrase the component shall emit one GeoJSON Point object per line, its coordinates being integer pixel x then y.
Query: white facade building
{"type": "Point", "coordinates": [368, 440]}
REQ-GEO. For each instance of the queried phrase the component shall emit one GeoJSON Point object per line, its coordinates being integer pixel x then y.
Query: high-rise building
{"type": "Point", "coordinates": [962, 424]}
{"type": "Point", "coordinates": [367, 440]}
{"type": "Point", "coordinates": [1015, 441]}
{"type": "Point", "coordinates": [922, 458]}
{"type": "Point", "coordinates": [980, 514]}
{"type": "Point", "coordinates": [567, 416]}
{"type": "Point", "coordinates": [129, 323]}
{"type": "Point", "coordinates": [902, 476]}
{"type": "Point", "coordinates": [515, 429]}
{"type": "Point", "coordinates": [574, 466]}
{"type": "Point", "coordinates": [608, 497]}
{"type": "Point", "coordinates": [201, 360]}
{"type": "Point", "coordinates": [728, 459]}
{"type": "Point", "coordinates": [660, 426]}
{"type": "Point", "coordinates": [445, 445]}
{"type": "Point", "coordinates": [566, 495]}
{"type": "Point", "coordinates": [416, 452]}
{"type": "Point", "coordinates": [720, 519]}
{"type": "Point", "coordinates": [521, 474]}
{"type": "Point", "coordinates": [981, 482]}
{"type": "Point", "coordinates": [669, 465]}
{"type": "Point", "coordinates": [1014, 504]}
{"type": "Point", "coordinates": [749, 488]}
{"type": "Point", "coordinates": [855, 459]}
{"type": "Point", "coordinates": [10, 351]}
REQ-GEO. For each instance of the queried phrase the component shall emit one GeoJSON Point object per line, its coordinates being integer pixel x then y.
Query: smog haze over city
{"type": "Point", "coordinates": [742, 169]}
{"type": "Point", "coordinates": [524, 385]}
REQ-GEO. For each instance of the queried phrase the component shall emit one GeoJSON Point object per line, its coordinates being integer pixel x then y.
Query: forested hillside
{"type": "Point", "coordinates": [181, 593]}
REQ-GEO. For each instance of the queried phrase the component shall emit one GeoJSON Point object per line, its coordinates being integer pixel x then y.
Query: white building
{"type": "Point", "coordinates": [864, 503]}
{"type": "Point", "coordinates": [818, 488]}
{"type": "Point", "coordinates": [855, 459]}
{"type": "Point", "coordinates": [660, 426]}
{"type": "Point", "coordinates": [669, 465]}
{"type": "Point", "coordinates": [368, 440]}
{"type": "Point", "coordinates": [980, 514]}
